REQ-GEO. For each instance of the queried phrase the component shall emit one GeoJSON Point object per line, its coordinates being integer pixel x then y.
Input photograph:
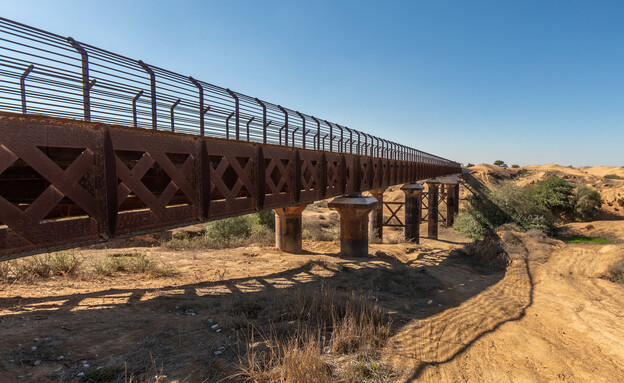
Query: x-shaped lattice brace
{"type": "Point", "coordinates": [313, 180]}
{"type": "Point", "coordinates": [131, 180]}
{"type": "Point", "coordinates": [242, 173]}
{"type": "Point", "coordinates": [333, 175]}
{"type": "Point", "coordinates": [284, 171]}
{"type": "Point", "coordinates": [63, 183]}
{"type": "Point", "coordinates": [393, 213]}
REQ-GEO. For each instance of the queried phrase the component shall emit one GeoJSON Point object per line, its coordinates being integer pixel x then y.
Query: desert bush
{"type": "Point", "coordinates": [469, 165]}
{"type": "Point", "coordinates": [265, 218]}
{"type": "Point", "coordinates": [499, 163]}
{"type": "Point", "coordinates": [515, 166]}
{"type": "Point", "coordinates": [616, 272]}
{"type": "Point", "coordinates": [523, 172]}
{"type": "Point", "coordinates": [505, 203]}
{"type": "Point", "coordinates": [41, 266]}
{"type": "Point", "coordinates": [316, 232]}
{"type": "Point", "coordinates": [586, 203]}
{"type": "Point", "coordinates": [133, 262]}
{"type": "Point", "coordinates": [553, 194]}
{"type": "Point", "coordinates": [613, 177]}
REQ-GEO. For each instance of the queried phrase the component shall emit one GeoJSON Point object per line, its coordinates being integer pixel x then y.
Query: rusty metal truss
{"type": "Point", "coordinates": [65, 182]}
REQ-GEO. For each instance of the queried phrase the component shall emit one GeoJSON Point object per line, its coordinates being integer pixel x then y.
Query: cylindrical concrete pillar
{"type": "Point", "coordinates": [413, 214]}
{"type": "Point", "coordinates": [354, 210]}
{"type": "Point", "coordinates": [288, 228]}
{"type": "Point", "coordinates": [451, 203]}
{"type": "Point", "coordinates": [432, 222]}
{"type": "Point", "coordinates": [376, 216]}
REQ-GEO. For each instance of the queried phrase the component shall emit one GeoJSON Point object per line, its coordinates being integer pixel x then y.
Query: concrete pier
{"type": "Point", "coordinates": [376, 216]}
{"type": "Point", "coordinates": [288, 228]}
{"type": "Point", "coordinates": [413, 211]}
{"type": "Point", "coordinates": [432, 215]}
{"type": "Point", "coordinates": [354, 210]}
{"type": "Point", "coordinates": [451, 202]}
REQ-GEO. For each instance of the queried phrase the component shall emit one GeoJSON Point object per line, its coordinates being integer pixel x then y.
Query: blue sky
{"type": "Point", "coordinates": [526, 81]}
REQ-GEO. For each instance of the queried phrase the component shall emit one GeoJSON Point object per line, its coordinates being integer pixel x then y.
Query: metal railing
{"type": "Point", "coordinates": [45, 73]}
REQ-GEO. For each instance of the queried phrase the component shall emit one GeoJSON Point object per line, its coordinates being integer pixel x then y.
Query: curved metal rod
{"type": "Point", "coordinates": [293, 136]}
{"type": "Point", "coordinates": [23, 85]}
{"type": "Point", "coordinates": [317, 136]}
{"type": "Point", "coordinates": [152, 76]}
{"type": "Point", "coordinates": [264, 120]}
{"type": "Point", "coordinates": [227, 125]}
{"type": "Point", "coordinates": [331, 136]}
{"type": "Point", "coordinates": [134, 108]}
{"type": "Point", "coordinates": [236, 111]}
{"type": "Point", "coordinates": [324, 137]}
{"type": "Point", "coordinates": [285, 126]}
{"type": "Point", "coordinates": [86, 85]}
{"type": "Point", "coordinates": [280, 134]}
{"type": "Point", "coordinates": [249, 122]}
{"type": "Point", "coordinates": [200, 89]}
{"type": "Point", "coordinates": [358, 142]}
{"type": "Point", "coordinates": [171, 110]}
{"type": "Point", "coordinates": [303, 131]}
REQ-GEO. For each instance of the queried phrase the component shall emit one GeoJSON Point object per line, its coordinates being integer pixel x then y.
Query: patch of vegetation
{"type": "Point", "coordinates": [553, 194]}
{"type": "Point", "coordinates": [523, 172]}
{"type": "Point", "coordinates": [584, 239]}
{"type": "Point", "coordinates": [134, 262]}
{"type": "Point", "coordinates": [244, 230]}
{"type": "Point", "coordinates": [586, 203]}
{"type": "Point", "coordinates": [616, 273]}
{"type": "Point", "coordinates": [469, 165]}
{"type": "Point", "coordinates": [320, 233]}
{"type": "Point", "coordinates": [62, 264]}
{"type": "Point", "coordinates": [499, 163]}
{"type": "Point", "coordinates": [515, 166]}
{"type": "Point", "coordinates": [505, 203]}
{"type": "Point", "coordinates": [613, 177]}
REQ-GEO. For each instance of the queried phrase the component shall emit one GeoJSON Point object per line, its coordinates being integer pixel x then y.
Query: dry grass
{"type": "Point", "coordinates": [69, 265]}
{"type": "Point", "coordinates": [259, 235]}
{"type": "Point", "coordinates": [616, 273]}
{"type": "Point", "coordinates": [319, 233]}
{"type": "Point", "coordinates": [330, 326]}
{"type": "Point", "coordinates": [62, 264]}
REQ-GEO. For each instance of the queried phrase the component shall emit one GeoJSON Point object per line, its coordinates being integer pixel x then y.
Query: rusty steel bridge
{"type": "Point", "coordinates": [95, 145]}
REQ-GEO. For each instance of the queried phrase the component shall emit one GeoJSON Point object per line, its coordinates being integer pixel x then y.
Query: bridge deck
{"type": "Point", "coordinates": [67, 182]}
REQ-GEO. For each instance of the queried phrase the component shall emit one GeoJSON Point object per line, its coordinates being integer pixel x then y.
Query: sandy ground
{"type": "Point", "coordinates": [551, 316]}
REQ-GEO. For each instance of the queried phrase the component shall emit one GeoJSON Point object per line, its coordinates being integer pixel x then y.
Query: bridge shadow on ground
{"type": "Point", "coordinates": [439, 304]}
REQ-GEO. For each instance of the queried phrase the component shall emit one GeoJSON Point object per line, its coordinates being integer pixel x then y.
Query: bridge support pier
{"type": "Point", "coordinates": [432, 214]}
{"type": "Point", "coordinates": [288, 228]}
{"type": "Point", "coordinates": [354, 210]}
{"type": "Point", "coordinates": [413, 211]}
{"type": "Point", "coordinates": [376, 216]}
{"type": "Point", "coordinates": [451, 202]}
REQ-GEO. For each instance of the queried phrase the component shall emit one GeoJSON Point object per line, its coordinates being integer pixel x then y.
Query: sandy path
{"type": "Point", "coordinates": [551, 318]}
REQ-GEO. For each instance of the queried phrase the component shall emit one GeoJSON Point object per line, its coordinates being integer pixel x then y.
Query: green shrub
{"type": "Point", "coordinates": [266, 218]}
{"type": "Point", "coordinates": [505, 203]}
{"type": "Point", "coordinates": [586, 203]}
{"type": "Point", "coordinates": [523, 172]}
{"type": "Point", "coordinates": [469, 165]}
{"type": "Point", "coordinates": [553, 194]}
{"type": "Point", "coordinates": [613, 177]}
{"type": "Point", "coordinates": [499, 163]}
{"type": "Point", "coordinates": [229, 228]}
{"type": "Point", "coordinates": [515, 166]}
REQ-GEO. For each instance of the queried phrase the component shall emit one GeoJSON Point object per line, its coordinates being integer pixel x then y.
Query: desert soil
{"type": "Point", "coordinates": [551, 316]}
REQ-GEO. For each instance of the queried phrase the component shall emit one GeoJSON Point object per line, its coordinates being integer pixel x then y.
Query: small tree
{"type": "Point", "coordinates": [586, 204]}
{"type": "Point", "coordinates": [499, 163]}
{"type": "Point", "coordinates": [553, 194]}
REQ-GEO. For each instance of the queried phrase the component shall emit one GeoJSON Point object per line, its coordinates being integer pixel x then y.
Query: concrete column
{"type": "Point", "coordinates": [288, 228]}
{"type": "Point", "coordinates": [432, 224]}
{"type": "Point", "coordinates": [376, 216]}
{"type": "Point", "coordinates": [451, 203]}
{"type": "Point", "coordinates": [354, 210]}
{"type": "Point", "coordinates": [413, 211]}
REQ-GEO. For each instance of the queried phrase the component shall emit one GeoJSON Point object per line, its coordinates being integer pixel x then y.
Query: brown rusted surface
{"type": "Point", "coordinates": [354, 210]}
{"type": "Point", "coordinates": [376, 216]}
{"type": "Point", "coordinates": [412, 211]}
{"type": "Point", "coordinates": [432, 216]}
{"type": "Point", "coordinates": [66, 182]}
{"type": "Point", "coordinates": [288, 228]}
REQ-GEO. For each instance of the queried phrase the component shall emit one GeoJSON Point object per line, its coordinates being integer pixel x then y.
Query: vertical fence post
{"type": "Point", "coordinates": [264, 120]}
{"type": "Point", "coordinates": [134, 108]}
{"type": "Point", "coordinates": [303, 133]}
{"type": "Point", "coordinates": [150, 72]}
{"type": "Point", "coordinates": [86, 84]}
{"type": "Point", "coordinates": [201, 105]}
{"type": "Point", "coordinates": [236, 112]}
{"type": "Point", "coordinates": [171, 111]}
{"type": "Point", "coordinates": [285, 125]}
{"type": "Point", "coordinates": [23, 85]}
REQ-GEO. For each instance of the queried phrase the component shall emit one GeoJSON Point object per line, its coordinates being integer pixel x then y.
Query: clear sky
{"type": "Point", "coordinates": [527, 82]}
